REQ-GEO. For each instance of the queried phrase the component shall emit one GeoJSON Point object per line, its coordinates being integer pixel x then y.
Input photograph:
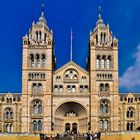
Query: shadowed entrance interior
{"type": "Point", "coordinates": [71, 116]}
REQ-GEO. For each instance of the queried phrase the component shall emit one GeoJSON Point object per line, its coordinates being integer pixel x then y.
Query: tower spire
{"type": "Point", "coordinates": [71, 45]}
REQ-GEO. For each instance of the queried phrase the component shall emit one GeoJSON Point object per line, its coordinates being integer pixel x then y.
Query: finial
{"type": "Point", "coordinates": [43, 5]}
{"type": "Point", "coordinates": [71, 45]}
{"type": "Point", "coordinates": [99, 10]}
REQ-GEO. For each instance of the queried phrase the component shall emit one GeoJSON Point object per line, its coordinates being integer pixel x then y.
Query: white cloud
{"type": "Point", "coordinates": [131, 77]}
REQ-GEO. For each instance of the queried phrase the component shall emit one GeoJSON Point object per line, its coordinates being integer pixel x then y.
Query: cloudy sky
{"type": "Point", "coordinates": [16, 17]}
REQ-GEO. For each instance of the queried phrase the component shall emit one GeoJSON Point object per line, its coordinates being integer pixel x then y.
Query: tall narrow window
{"type": "Point", "coordinates": [98, 62]}
{"type": "Point", "coordinates": [35, 125]}
{"type": "Point", "coordinates": [103, 62]}
{"type": "Point", "coordinates": [40, 36]}
{"type": "Point", "coordinates": [34, 88]}
{"type": "Point", "coordinates": [106, 124]}
{"type": "Point", "coordinates": [32, 60]}
{"type": "Point", "coordinates": [45, 37]}
{"type": "Point", "coordinates": [43, 61]}
{"type": "Point", "coordinates": [39, 125]}
{"type": "Point", "coordinates": [38, 61]}
{"type": "Point", "coordinates": [109, 62]}
{"type": "Point", "coordinates": [36, 35]}
{"type": "Point", "coordinates": [39, 88]}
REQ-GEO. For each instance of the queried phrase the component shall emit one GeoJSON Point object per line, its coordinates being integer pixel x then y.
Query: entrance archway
{"type": "Point", "coordinates": [71, 116]}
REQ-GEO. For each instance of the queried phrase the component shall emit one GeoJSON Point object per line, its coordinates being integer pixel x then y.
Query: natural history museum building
{"type": "Point", "coordinates": [69, 98]}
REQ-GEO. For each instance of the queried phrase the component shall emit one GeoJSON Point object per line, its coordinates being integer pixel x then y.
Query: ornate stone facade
{"type": "Point", "coordinates": [69, 98]}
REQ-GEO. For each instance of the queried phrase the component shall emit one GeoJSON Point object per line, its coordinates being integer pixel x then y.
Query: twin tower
{"type": "Point", "coordinates": [69, 98]}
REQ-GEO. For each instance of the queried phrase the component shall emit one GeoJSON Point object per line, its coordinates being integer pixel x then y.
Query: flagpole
{"type": "Point", "coordinates": [71, 46]}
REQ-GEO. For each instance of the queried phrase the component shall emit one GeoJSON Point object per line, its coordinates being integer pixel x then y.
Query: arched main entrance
{"type": "Point", "coordinates": [71, 116]}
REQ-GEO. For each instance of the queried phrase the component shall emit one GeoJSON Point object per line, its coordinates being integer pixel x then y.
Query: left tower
{"type": "Point", "coordinates": [37, 69]}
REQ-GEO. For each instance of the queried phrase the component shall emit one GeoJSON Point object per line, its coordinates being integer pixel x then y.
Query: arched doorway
{"type": "Point", "coordinates": [71, 116]}
{"type": "Point", "coordinates": [67, 127]}
{"type": "Point", "coordinates": [74, 128]}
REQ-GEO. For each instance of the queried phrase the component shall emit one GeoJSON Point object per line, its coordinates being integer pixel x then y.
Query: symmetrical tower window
{"type": "Point", "coordinates": [104, 106]}
{"type": "Point", "coordinates": [104, 76]}
{"type": "Point", "coordinates": [103, 40]}
{"type": "Point", "coordinates": [37, 61]}
{"type": "Point", "coordinates": [37, 125]}
{"type": "Point", "coordinates": [37, 76]}
{"type": "Point", "coordinates": [38, 36]}
{"type": "Point", "coordinates": [104, 88]}
{"type": "Point", "coordinates": [37, 107]}
{"type": "Point", "coordinates": [103, 62]}
{"type": "Point", "coordinates": [37, 88]}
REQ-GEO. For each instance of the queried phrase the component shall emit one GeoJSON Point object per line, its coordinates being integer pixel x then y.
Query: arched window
{"type": "Point", "coordinates": [9, 128]}
{"type": "Point", "coordinates": [104, 106]}
{"type": "Point", "coordinates": [98, 62]}
{"type": "Point", "coordinates": [109, 62]}
{"type": "Point", "coordinates": [56, 88]}
{"type": "Point", "coordinates": [36, 35]}
{"type": "Point", "coordinates": [103, 62]}
{"type": "Point", "coordinates": [101, 87]}
{"type": "Point", "coordinates": [104, 126]}
{"type": "Point", "coordinates": [61, 88]}
{"type": "Point", "coordinates": [104, 38]}
{"type": "Point", "coordinates": [38, 61]}
{"type": "Point", "coordinates": [34, 88]}
{"type": "Point", "coordinates": [39, 125]}
{"type": "Point", "coordinates": [101, 124]}
{"type": "Point", "coordinates": [68, 88]}
{"type": "Point", "coordinates": [71, 75]}
{"type": "Point", "coordinates": [96, 39]}
{"type": "Point", "coordinates": [8, 113]}
{"type": "Point", "coordinates": [35, 125]}
{"type": "Point", "coordinates": [39, 88]}
{"type": "Point", "coordinates": [81, 88]}
{"type": "Point", "coordinates": [130, 112]}
{"type": "Point", "coordinates": [37, 107]}
{"type": "Point", "coordinates": [73, 89]}
{"type": "Point", "coordinates": [40, 33]}
{"type": "Point", "coordinates": [130, 126]}
{"type": "Point", "coordinates": [106, 87]}
{"type": "Point", "coordinates": [32, 60]}
{"type": "Point", "coordinates": [43, 61]}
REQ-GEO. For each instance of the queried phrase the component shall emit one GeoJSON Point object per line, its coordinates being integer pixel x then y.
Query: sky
{"type": "Point", "coordinates": [16, 17]}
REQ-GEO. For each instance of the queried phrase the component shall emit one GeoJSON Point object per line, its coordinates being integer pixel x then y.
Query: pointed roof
{"type": "Point", "coordinates": [42, 21]}
{"type": "Point", "coordinates": [100, 21]}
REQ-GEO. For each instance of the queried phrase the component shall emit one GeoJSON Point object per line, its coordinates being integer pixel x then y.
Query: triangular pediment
{"type": "Point", "coordinates": [71, 65]}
